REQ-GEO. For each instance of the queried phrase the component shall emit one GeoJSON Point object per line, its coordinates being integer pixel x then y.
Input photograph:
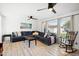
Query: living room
{"type": "Point", "coordinates": [24, 19]}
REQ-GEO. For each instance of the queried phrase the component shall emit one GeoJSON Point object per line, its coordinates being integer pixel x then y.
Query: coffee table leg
{"type": "Point", "coordinates": [29, 44]}
{"type": "Point", "coordinates": [35, 42]}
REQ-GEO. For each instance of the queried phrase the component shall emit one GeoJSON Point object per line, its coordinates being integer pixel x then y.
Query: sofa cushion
{"type": "Point", "coordinates": [14, 34]}
{"type": "Point", "coordinates": [41, 34]}
{"type": "Point", "coordinates": [26, 33]}
{"type": "Point", "coordinates": [18, 38]}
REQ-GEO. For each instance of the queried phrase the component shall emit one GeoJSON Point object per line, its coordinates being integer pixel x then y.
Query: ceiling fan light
{"type": "Point", "coordinates": [50, 9]}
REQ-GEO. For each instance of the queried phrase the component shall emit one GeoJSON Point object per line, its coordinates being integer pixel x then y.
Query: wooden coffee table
{"type": "Point", "coordinates": [31, 38]}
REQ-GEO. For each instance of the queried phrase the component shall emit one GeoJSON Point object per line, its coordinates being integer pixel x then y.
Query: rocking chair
{"type": "Point", "coordinates": [69, 41]}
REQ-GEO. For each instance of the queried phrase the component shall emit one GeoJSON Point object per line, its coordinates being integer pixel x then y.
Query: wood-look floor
{"type": "Point", "coordinates": [21, 49]}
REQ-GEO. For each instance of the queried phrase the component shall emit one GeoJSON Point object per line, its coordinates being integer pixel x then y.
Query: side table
{"type": "Point", "coordinates": [6, 35]}
{"type": "Point", "coordinates": [1, 49]}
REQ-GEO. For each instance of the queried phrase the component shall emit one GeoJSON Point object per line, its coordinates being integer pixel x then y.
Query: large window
{"type": "Point", "coordinates": [60, 25]}
{"type": "Point", "coordinates": [65, 25]}
{"type": "Point", "coordinates": [52, 26]}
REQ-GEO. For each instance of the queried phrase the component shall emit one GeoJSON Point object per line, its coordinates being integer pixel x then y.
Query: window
{"type": "Point", "coordinates": [52, 26]}
{"type": "Point", "coordinates": [65, 25]}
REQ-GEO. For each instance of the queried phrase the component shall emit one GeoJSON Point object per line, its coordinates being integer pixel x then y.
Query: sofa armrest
{"type": "Point", "coordinates": [47, 40]}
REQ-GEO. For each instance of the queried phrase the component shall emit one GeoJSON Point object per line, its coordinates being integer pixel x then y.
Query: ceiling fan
{"type": "Point", "coordinates": [31, 17]}
{"type": "Point", "coordinates": [50, 7]}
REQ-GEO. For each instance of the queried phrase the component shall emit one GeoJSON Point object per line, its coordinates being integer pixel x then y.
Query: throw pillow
{"type": "Point", "coordinates": [19, 33]}
{"type": "Point", "coordinates": [45, 35]}
{"type": "Point", "coordinates": [15, 33]}
{"type": "Point", "coordinates": [52, 39]}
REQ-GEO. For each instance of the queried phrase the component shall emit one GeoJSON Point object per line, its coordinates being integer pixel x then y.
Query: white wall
{"type": "Point", "coordinates": [76, 28]}
{"type": "Point", "coordinates": [76, 22]}
{"type": "Point", "coordinates": [0, 30]}
{"type": "Point", "coordinates": [12, 24]}
{"type": "Point", "coordinates": [13, 15]}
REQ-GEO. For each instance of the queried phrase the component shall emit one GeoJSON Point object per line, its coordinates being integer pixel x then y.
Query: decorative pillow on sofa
{"type": "Point", "coordinates": [45, 35]}
{"type": "Point", "coordinates": [19, 33]}
{"type": "Point", "coordinates": [52, 39]}
{"type": "Point", "coordinates": [15, 33]}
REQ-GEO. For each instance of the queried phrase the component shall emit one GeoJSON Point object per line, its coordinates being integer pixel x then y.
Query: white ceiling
{"type": "Point", "coordinates": [27, 9]}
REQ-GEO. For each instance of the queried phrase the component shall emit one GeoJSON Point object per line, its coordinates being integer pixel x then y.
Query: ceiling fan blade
{"type": "Point", "coordinates": [35, 18]}
{"type": "Point", "coordinates": [54, 11]}
{"type": "Point", "coordinates": [28, 19]}
{"type": "Point", "coordinates": [28, 16]}
{"type": "Point", "coordinates": [53, 4]}
{"type": "Point", "coordinates": [42, 9]}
